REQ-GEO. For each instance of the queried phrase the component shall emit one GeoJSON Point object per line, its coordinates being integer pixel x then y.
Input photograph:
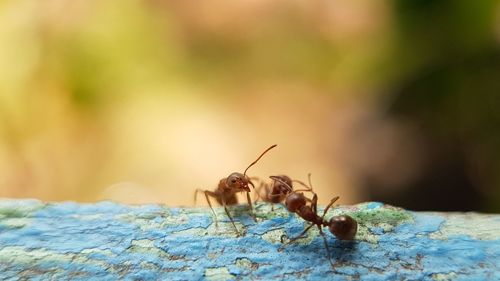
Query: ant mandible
{"type": "Point", "coordinates": [343, 227]}
{"type": "Point", "coordinates": [225, 194]}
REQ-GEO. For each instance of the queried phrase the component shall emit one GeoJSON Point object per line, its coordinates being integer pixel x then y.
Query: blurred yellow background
{"type": "Point", "coordinates": [145, 101]}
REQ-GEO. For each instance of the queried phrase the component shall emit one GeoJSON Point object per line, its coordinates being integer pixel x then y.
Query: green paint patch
{"type": "Point", "coordinates": [364, 234]}
{"type": "Point", "coordinates": [18, 208]}
{"type": "Point", "coordinates": [16, 213]}
{"type": "Point", "coordinates": [218, 273]}
{"type": "Point", "coordinates": [385, 217]}
{"type": "Point", "coordinates": [268, 211]}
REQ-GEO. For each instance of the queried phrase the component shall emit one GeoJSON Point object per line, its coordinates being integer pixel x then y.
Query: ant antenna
{"type": "Point", "coordinates": [309, 180]}
{"type": "Point", "coordinates": [309, 187]}
{"type": "Point", "coordinates": [253, 163]}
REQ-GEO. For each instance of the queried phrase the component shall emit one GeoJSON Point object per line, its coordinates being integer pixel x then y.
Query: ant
{"type": "Point", "coordinates": [343, 227]}
{"type": "Point", "coordinates": [225, 194]}
{"type": "Point", "coordinates": [278, 191]}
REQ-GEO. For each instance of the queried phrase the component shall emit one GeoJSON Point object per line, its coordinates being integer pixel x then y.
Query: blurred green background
{"type": "Point", "coordinates": [145, 101]}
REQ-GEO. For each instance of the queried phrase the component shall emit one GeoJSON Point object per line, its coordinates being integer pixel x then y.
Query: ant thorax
{"type": "Point", "coordinates": [295, 201]}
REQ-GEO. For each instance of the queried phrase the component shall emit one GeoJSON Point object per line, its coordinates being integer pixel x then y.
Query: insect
{"type": "Point", "coordinates": [226, 191]}
{"type": "Point", "coordinates": [277, 191]}
{"type": "Point", "coordinates": [343, 227]}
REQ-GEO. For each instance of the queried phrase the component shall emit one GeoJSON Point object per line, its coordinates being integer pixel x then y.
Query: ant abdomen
{"type": "Point", "coordinates": [343, 227]}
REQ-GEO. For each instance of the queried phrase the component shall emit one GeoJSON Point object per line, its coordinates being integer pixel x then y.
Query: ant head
{"type": "Point", "coordinates": [343, 227]}
{"type": "Point", "coordinates": [294, 201]}
{"type": "Point", "coordinates": [282, 184]}
{"type": "Point", "coordinates": [238, 181]}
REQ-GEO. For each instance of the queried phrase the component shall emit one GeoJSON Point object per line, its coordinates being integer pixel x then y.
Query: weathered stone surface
{"type": "Point", "coordinates": [109, 241]}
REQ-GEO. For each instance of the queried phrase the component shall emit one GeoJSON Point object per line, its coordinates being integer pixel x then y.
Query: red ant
{"type": "Point", "coordinates": [225, 194]}
{"type": "Point", "coordinates": [278, 191]}
{"type": "Point", "coordinates": [343, 227]}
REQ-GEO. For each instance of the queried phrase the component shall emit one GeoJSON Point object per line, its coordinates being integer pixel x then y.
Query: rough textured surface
{"type": "Point", "coordinates": [108, 241]}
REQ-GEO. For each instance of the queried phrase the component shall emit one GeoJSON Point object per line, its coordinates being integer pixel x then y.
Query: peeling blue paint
{"type": "Point", "coordinates": [109, 241]}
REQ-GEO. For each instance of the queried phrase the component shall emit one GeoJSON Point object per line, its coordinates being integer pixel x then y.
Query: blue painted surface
{"type": "Point", "coordinates": [108, 241]}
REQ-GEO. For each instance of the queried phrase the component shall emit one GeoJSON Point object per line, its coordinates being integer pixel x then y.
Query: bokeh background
{"type": "Point", "coordinates": [145, 101]}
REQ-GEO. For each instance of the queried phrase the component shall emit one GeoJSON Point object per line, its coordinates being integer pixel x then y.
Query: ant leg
{"type": "Point", "coordinates": [256, 195]}
{"type": "Point", "coordinates": [229, 215]}
{"type": "Point", "coordinates": [207, 194]}
{"type": "Point", "coordinates": [314, 203]}
{"type": "Point", "coordinates": [308, 187]}
{"type": "Point", "coordinates": [196, 194]}
{"type": "Point", "coordinates": [258, 191]}
{"type": "Point", "coordinates": [309, 180]}
{"type": "Point", "coordinates": [306, 190]}
{"type": "Point", "coordinates": [252, 211]}
{"type": "Point", "coordinates": [270, 197]}
{"type": "Point", "coordinates": [326, 245]}
{"type": "Point", "coordinates": [329, 205]}
{"type": "Point", "coordinates": [268, 191]}
{"type": "Point", "coordinates": [303, 184]}
{"type": "Point", "coordinates": [296, 238]}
